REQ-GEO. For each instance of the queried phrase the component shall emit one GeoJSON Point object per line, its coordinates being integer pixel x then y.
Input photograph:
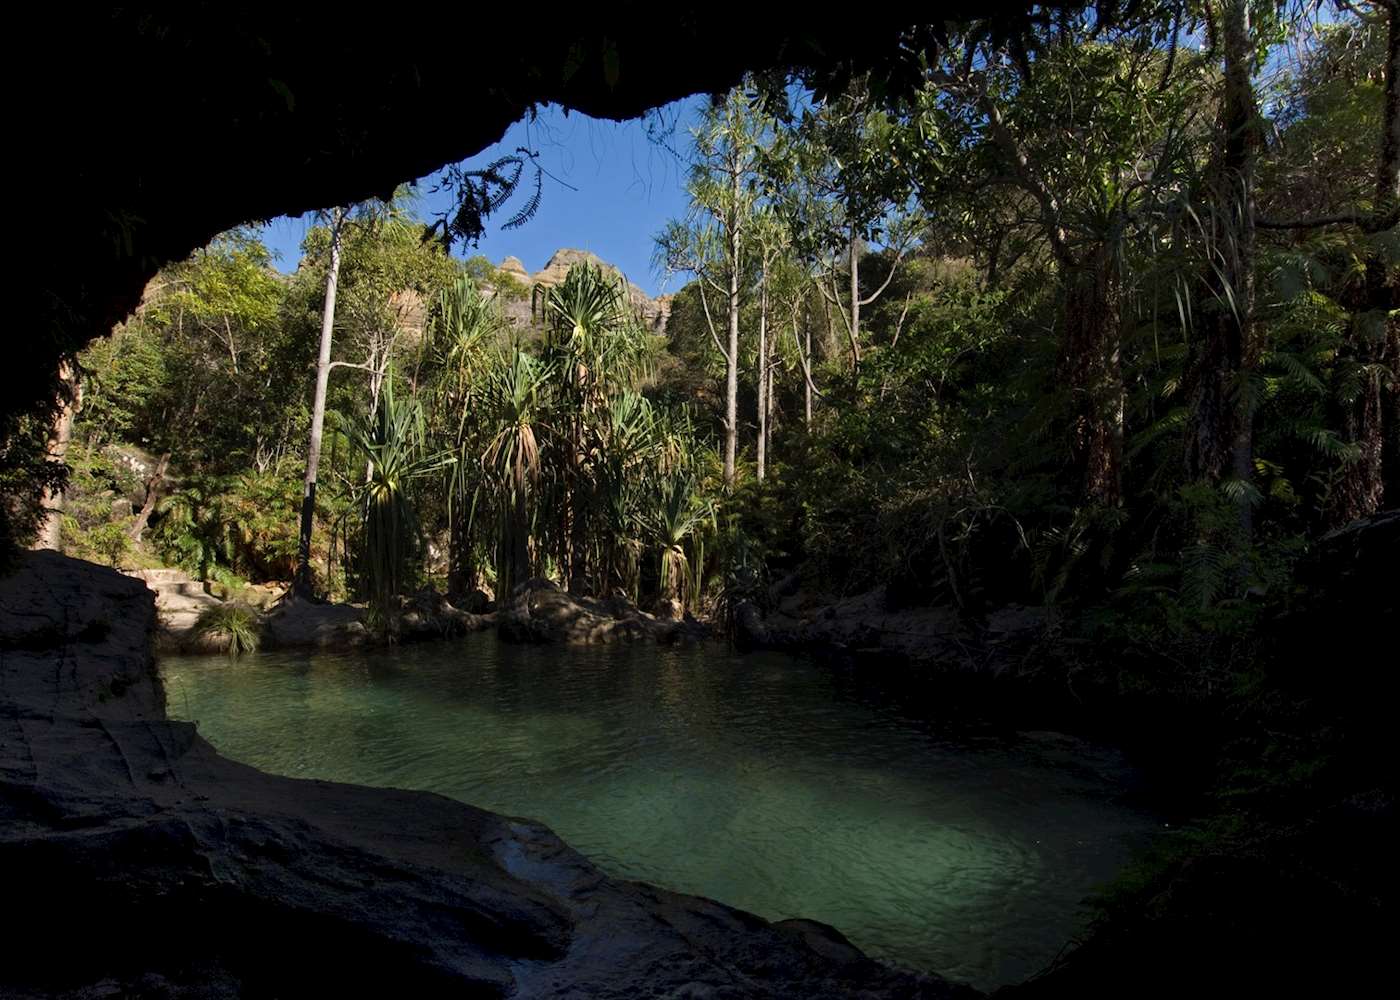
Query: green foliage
{"type": "Point", "coordinates": [98, 503]}
{"type": "Point", "coordinates": [201, 370]}
{"type": "Point", "coordinates": [229, 527]}
{"type": "Point", "coordinates": [392, 440]}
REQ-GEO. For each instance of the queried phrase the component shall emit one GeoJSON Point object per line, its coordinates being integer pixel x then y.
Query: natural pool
{"type": "Point", "coordinates": [764, 781]}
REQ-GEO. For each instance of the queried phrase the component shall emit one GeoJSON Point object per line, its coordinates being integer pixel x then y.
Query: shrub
{"type": "Point", "coordinates": [235, 623]}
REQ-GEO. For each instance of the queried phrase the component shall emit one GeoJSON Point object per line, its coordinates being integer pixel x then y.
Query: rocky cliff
{"type": "Point", "coordinates": [655, 313]}
{"type": "Point", "coordinates": [139, 862]}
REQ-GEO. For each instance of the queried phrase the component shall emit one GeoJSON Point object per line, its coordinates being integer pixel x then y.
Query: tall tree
{"type": "Point", "coordinates": [303, 584]}
{"type": "Point", "coordinates": [833, 174]}
{"type": "Point", "coordinates": [454, 363]}
{"type": "Point", "coordinates": [378, 271]}
{"type": "Point", "coordinates": [1219, 444]}
{"type": "Point", "coordinates": [1330, 193]}
{"type": "Point", "coordinates": [1088, 138]}
{"type": "Point", "coordinates": [51, 502]}
{"type": "Point", "coordinates": [771, 242]}
{"type": "Point", "coordinates": [713, 243]}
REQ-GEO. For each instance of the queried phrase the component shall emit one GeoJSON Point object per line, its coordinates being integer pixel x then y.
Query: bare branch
{"type": "Point", "coordinates": [898, 257]}
{"type": "Point", "coordinates": [903, 313]}
{"type": "Point", "coordinates": [710, 324]}
{"type": "Point", "coordinates": [1367, 222]}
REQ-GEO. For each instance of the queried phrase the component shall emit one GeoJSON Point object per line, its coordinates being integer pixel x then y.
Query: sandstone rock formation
{"type": "Point", "coordinates": [655, 313]}
{"type": "Point", "coordinates": [515, 268]}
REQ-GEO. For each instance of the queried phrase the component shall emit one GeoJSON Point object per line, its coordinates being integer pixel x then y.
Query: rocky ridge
{"type": "Point", "coordinates": [655, 313]}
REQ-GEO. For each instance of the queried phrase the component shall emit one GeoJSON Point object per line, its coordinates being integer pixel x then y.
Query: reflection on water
{"type": "Point", "coordinates": [762, 781]}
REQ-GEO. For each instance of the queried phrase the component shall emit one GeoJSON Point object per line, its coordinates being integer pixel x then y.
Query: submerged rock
{"type": "Point", "coordinates": [540, 612]}
{"type": "Point", "coordinates": [139, 862]}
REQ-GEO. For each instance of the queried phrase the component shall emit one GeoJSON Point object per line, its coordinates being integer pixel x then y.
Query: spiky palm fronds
{"type": "Point", "coordinates": [393, 440]}
{"type": "Point", "coordinates": [236, 624]}
{"type": "Point", "coordinates": [511, 461]}
{"type": "Point", "coordinates": [679, 513]}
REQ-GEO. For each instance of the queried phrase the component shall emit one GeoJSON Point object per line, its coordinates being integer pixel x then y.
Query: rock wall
{"type": "Point", "coordinates": [139, 862]}
{"type": "Point", "coordinates": [655, 313]}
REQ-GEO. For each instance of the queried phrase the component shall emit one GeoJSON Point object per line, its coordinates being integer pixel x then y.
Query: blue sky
{"type": "Point", "coordinates": [628, 187]}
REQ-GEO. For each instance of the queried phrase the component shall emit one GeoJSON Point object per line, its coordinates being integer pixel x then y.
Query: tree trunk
{"type": "Point", "coordinates": [577, 578]}
{"type": "Point", "coordinates": [1091, 371]}
{"type": "Point", "coordinates": [461, 571]}
{"type": "Point", "coordinates": [152, 494]}
{"type": "Point", "coordinates": [763, 373]}
{"type": "Point", "coordinates": [1372, 420]}
{"type": "Point", "coordinates": [303, 584]}
{"type": "Point", "coordinates": [1220, 441]}
{"type": "Point", "coordinates": [854, 329]}
{"type": "Point", "coordinates": [731, 372]}
{"type": "Point", "coordinates": [768, 417]}
{"type": "Point", "coordinates": [807, 379]}
{"type": "Point", "coordinates": [518, 551]}
{"type": "Point", "coordinates": [51, 502]}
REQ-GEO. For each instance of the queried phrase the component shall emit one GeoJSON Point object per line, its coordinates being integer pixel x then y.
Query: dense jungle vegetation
{"type": "Point", "coordinates": [1106, 325]}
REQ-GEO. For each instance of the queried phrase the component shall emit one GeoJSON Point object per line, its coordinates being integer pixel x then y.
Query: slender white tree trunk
{"type": "Point", "coordinates": [303, 583]}
{"type": "Point", "coordinates": [855, 299]}
{"type": "Point", "coordinates": [807, 378]}
{"type": "Point", "coordinates": [768, 416]}
{"type": "Point", "coordinates": [731, 374]}
{"type": "Point", "coordinates": [51, 531]}
{"type": "Point", "coordinates": [763, 372]}
{"type": "Point", "coordinates": [731, 381]}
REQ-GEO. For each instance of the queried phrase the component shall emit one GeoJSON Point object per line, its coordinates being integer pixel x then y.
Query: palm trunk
{"type": "Point", "coordinates": [577, 505]}
{"type": "Point", "coordinates": [303, 583]}
{"type": "Point", "coordinates": [1220, 442]}
{"type": "Point", "coordinates": [578, 541]}
{"type": "Point", "coordinates": [768, 417]}
{"type": "Point", "coordinates": [60, 434]}
{"type": "Point", "coordinates": [461, 572]}
{"type": "Point", "coordinates": [518, 554]}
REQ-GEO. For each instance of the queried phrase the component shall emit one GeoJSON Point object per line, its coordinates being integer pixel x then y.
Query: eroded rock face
{"type": "Point", "coordinates": [139, 862]}
{"type": "Point", "coordinates": [515, 268]}
{"type": "Point", "coordinates": [655, 313]}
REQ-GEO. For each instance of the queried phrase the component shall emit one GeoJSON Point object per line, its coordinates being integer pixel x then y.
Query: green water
{"type": "Point", "coordinates": [764, 781]}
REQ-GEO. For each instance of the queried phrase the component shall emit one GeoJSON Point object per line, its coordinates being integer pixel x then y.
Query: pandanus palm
{"type": "Point", "coordinates": [456, 356]}
{"type": "Point", "coordinates": [393, 441]}
{"type": "Point", "coordinates": [511, 460]}
{"type": "Point", "coordinates": [679, 514]}
{"type": "Point", "coordinates": [628, 446]}
{"type": "Point", "coordinates": [598, 347]}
